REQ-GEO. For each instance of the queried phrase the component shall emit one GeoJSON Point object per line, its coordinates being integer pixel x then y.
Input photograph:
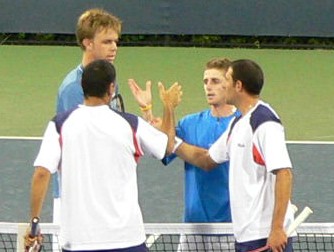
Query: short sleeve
{"type": "Point", "coordinates": [152, 141]}
{"type": "Point", "coordinates": [270, 139]}
{"type": "Point", "coordinates": [50, 151]}
{"type": "Point", "coordinates": [218, 151]}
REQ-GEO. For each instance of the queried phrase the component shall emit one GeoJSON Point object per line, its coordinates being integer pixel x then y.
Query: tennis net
{"type": "Point", "coordinates": [167, 237]}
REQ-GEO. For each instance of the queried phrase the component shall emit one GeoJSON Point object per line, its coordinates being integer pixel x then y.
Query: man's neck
{"type": "Point", "coordinates": [222, 110]}
{"type": "Point", "coordinates": [248, 104]}
{"type": "Point", "coordinates": [87, 58]}
{"type": "Point", "coordinates": [96, 101]}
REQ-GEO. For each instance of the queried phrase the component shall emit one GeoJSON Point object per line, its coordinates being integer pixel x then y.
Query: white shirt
{"type": "Point", "coordinates": [97, 148]}
{"type": "Point", "coordinates": [255, 146]}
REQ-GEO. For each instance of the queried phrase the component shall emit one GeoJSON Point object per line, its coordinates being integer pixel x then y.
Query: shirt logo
{"type": "Point", "coordinates": [241, 145]}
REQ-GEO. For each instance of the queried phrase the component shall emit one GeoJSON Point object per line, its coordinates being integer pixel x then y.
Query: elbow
{"type": "Point", "coordinates": [208, 166]}
{"type": "Point", "coordinates": [206, 163]}
{"type": "Point", "coordinates": [284, 176]}
{"type": "Point", "coordinates": [41, 174]}
{"type": "Point", "coordinates": [285, 173]}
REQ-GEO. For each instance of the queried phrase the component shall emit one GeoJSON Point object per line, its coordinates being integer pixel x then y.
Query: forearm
{"type": "Point", "coordinates": [283, 190]}
{"type": "Point", "coordinates": [195, 155]}
{"type": "Point", "coordinates": [39, 188]}
{"type": "Point", "coordinates": [147, 114]}
{"type": "Point", "coordinates": [168, 127]}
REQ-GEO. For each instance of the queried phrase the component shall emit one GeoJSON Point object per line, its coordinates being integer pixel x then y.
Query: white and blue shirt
{"type": "Point", "coordinates": [255, 146]}
{"type": "Point", "coordinates": [98, 150]}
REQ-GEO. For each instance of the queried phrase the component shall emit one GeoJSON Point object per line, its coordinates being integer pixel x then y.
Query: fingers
{"type": "Point", "coordinates": [35, 242]}
{"type": "Point", "coordinates": [148, 85]}
{"type": "Point", "coordinates": [161, 87]}
{"type": "Point", "coordinates": [133, 85]}
{"type": "Point", "coordinates": [30, 241]}
{"type": "Point", "coordinates": [172, 96]}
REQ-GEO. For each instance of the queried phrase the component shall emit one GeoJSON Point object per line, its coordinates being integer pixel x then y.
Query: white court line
{"type": "Point", "coordinates": [20, 138]}
{"type": "Point", "coordinates": [288, 142]}
{"type": "Point", "coordinates": [309, 142]}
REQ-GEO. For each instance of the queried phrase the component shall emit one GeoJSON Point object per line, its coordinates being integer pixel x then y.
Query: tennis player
{"type": "Point", "coordinates": [97, 34]}
{"type": "Point", "coordinates": [260, 166]}
{"type": "Point", "coordinates": [206, 193]}
{"type": "Point", "coordinates": [98, 149]}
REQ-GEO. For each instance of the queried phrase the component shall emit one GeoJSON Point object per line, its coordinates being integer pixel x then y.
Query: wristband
{"type": "Point", "coordinates": [146, 108]}
{"type": "Point", "coordinates": [178, 142]}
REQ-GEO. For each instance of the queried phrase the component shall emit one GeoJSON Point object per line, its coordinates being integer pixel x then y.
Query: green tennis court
{"type": "Point", "coordinates": [298, 83]}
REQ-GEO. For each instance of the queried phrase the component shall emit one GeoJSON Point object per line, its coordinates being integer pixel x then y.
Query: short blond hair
{"type": "Point", "coordinates": [218, 63]}
{"type": "Point", "coordinates": [94, 20]}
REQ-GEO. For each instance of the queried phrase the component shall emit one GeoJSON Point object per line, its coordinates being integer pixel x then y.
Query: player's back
{"type": "Point", "coordinates": [99, 182]}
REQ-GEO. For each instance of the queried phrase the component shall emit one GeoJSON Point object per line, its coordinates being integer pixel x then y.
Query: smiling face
{"type": "Point", "coordinates": [214, 81]}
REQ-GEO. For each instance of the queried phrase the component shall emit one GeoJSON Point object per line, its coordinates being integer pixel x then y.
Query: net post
{"type": "Point", "coordinates": [21, 230]}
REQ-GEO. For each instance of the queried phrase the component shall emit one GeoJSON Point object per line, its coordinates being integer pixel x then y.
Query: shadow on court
{"type": "Point", "coordinates": [161, 187]}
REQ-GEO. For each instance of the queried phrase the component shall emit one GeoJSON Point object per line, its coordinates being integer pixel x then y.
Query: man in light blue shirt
{"type": "Point", "coordinates": [206, 194]}
{"type": "Point", "coordinates": [97, 34]}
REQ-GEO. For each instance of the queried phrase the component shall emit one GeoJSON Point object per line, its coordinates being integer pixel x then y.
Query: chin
{"type": "Point", "coordinates": [210, 101]}
{"type": "Point", "coordinates": [111, 60]}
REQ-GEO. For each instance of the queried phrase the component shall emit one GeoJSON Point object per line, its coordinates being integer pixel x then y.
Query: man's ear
{"type": "Point", "coordinates": [111, 89]}
{"type": "Point", "coordinates": [238, 85]}
{"type": "Point", "coordinates": [87, 43]}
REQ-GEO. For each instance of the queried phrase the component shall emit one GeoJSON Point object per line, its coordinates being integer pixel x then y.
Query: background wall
{"type": "Point", "coordinates": [312, 18]}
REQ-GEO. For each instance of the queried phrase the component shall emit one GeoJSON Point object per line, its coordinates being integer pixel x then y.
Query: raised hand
{"type": "Point", "coordinates": [143, 97]}
{"type": "Point", "coordinates": [172, 96]}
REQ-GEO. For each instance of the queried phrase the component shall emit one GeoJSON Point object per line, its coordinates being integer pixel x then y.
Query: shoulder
{"type": "Point", "coordinates": [191, 118]}
{"type": "Point", "coordinates": [72, 81]}
{"type": "Point", "coordinates": [263, 113]}
{"type": "Point", "coordinates": [60, 118]}
{"type": "Point", "coordinates": [130, 118]}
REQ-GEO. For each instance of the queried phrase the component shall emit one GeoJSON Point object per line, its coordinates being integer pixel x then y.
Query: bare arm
{"type": "Point", "coordinates": [192, 154]}
{"type": "Point", "coordinates": [170, 99]}
{"type": "Point", "coordinates": [144, 100]}
{"type": "Point", "coordinates": [39, 188]}
{"type": "Point", "coordinates": [196, 155]}
{"type": "Point", "coordinates": [283, 189]}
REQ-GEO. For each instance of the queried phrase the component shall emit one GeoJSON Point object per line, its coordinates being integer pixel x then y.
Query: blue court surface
{"type": "Point", "coordinates": [161, 187]}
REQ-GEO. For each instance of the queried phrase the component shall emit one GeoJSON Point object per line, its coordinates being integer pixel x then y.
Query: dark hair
{"type": "Point", "coordinates": [97, 77]}
{"type": "Point", "coordinates": [250, 74]}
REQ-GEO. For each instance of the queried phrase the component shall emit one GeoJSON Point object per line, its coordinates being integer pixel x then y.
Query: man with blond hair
{"type": "Point", "coordinates": [206, 194]}
{"type": "Point", "coordinates": [97, 34]}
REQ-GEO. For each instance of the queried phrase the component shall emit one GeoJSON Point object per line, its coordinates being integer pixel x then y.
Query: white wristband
{"type": "Point", "coordinates": [178, 142]}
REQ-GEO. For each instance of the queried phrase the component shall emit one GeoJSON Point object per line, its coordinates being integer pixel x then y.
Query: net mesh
{"type": "Point", "coordinates": [178, 237]}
